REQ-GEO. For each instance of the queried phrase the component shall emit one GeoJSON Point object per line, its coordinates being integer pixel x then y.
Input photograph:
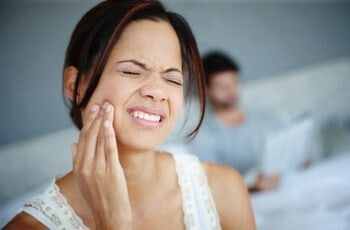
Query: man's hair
{"type": "Point", "coordinates": [215, 62]}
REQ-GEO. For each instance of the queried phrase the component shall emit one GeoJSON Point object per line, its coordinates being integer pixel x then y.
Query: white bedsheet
{"type": "Point", "coordinates": [317, 198]}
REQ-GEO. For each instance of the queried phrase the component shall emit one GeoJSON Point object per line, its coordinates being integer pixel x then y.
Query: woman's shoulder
{"type": "Point", "coordinates": [225, 180]}
{"type": "Point", "coordinates": [230, 195]}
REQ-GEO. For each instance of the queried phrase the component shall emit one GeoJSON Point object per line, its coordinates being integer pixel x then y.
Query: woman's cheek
{"type": "Point", "coordinates": [177, 107]}
{"type": "Point", "coordinates": [101, 95]}
{"type": "Point", "coordinates": [180, 101]}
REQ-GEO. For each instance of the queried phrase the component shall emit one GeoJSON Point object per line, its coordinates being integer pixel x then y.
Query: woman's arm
{"type": "Point", "coordinates": [24, 221]}
{"type": "Point", "coordinates": [231, 197]}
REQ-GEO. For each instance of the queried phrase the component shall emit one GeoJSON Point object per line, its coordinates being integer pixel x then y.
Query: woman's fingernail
{"type": "Point", "coordinates": [107, 107]}
{"type": "Point", "coordinates": [94, 108]}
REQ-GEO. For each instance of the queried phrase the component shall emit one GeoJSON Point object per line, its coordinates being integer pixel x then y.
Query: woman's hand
{"type": "Point", "coordinates": [98, 172]}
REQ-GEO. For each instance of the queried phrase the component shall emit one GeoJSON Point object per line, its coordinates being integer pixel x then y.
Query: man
{"type": "Point", "coordinates": [229, 134]}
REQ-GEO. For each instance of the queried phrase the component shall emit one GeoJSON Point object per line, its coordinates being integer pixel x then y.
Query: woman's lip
{"type": "Point", "coordinates": [147, 124]}
{"type": "Point", "coordinates": [148, 110]}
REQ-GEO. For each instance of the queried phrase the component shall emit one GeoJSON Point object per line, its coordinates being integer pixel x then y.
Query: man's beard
{"type": "Point", "coordinates": [224, 105]}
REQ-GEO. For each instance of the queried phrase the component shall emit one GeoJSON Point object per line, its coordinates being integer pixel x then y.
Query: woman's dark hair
{"type": "Point", "coordinates": [98, 31]}
{"type": "Point", "coordinates": [215, 62]}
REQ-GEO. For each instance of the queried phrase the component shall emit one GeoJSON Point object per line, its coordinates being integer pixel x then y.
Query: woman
{"type": "Point", "coordinates": [126, 68]}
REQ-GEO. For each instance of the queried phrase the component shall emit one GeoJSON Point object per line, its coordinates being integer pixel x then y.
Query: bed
{"type": "Point", "coordinates": [316, 198]}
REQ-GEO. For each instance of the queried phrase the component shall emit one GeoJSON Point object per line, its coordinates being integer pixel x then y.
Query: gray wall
{"type": "Point", "coordinates": [270, 38]}
{"type": "Point", "coordinates": [33, 40]}
{"type": "Point", "coordinates": [266, 39]}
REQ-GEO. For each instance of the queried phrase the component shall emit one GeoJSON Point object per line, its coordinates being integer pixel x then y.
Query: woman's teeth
{"type": "Point", "coordinates": [145, 116]}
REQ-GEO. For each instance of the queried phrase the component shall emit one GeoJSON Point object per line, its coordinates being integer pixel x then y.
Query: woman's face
{"type": "Point", "coordinates": [143, 81]}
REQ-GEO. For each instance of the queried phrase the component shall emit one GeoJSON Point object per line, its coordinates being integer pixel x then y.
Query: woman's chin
{"type": "Point", "coordinates": [139, 144]}
{"type": "Point", "coordinates": [133, 138]}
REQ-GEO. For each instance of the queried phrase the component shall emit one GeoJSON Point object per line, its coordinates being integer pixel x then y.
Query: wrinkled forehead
{"type": "Point", "coordinates": [154, 43]}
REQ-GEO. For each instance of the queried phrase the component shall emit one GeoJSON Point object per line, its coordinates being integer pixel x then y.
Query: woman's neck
{"type": "Point", "coordinates": [141, 173]}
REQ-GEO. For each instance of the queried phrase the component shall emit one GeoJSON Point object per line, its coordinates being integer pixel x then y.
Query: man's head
{"type": "Point", "coordinates": [222, 81]}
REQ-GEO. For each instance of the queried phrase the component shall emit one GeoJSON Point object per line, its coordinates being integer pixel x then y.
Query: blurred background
{"type": "Point", "coordinates": [295, 59]}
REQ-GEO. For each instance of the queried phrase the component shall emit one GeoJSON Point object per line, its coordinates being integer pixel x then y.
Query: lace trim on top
{"type": "Point", "coordinates": [56, 208]}
{"type": "Point", "coordinates": [194, 186]}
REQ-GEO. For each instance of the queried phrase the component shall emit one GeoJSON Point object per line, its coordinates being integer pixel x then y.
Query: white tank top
{"type": "Point", "coordinates": [51, 208]}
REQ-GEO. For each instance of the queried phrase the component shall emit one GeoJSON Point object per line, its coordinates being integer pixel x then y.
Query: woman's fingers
{"type": "Point", "coordinates": [106, 146]}
{"type": "Point", "coordinates": [99, 174]}
{"type": "Point", "coordinates": [94, 109]}
{"type": "Point", "coordinates": [110, 148]}
{"type": "Point", "coordinates": [97, 144]}
{"type": "Point", "coordinates": [88, 139]}
{"type": "Point", "coordinates": [91, 117]}
{"type": "Point", "coordinates": [100, 161]}
{"type": "Point", "coordinates": [91, 141]}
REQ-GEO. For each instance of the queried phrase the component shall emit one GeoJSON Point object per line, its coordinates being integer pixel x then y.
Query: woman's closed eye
{"type": "Point", "coordinates": [128, 68]}
{"type": "Point", "coordinates": [131, 72]}
{"type": "Point", "coordinates": [128, 72]}
{"type": "Point", "coordinates": [173, 80]}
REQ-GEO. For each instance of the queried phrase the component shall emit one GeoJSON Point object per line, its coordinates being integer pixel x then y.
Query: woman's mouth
{"type": "Point", "coordinates": [147, 117]}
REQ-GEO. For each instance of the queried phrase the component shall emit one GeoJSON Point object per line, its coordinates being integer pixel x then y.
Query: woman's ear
{"type": "Point", "coordinates": [69, 79]}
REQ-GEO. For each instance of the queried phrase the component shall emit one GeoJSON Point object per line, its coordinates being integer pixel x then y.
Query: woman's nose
{"type": "Point", "coordinates": [154, 89]}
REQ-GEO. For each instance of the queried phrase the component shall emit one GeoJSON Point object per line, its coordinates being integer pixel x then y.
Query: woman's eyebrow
{"type": "Point", "coordinates": [172, 70]}
{"type": "Point", "coordinates": [143, 65]}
